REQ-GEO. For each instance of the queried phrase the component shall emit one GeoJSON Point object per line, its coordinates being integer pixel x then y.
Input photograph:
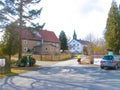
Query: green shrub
{"type": "Point", "coordinates": [13, 62]}
{"type": "Point", "coordinates": [24, 61]}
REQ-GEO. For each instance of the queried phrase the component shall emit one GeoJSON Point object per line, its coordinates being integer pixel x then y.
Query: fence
{"type": "Point", "coordinates": [52, 57]}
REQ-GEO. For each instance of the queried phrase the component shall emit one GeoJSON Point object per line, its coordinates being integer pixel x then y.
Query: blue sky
{"type": "Point", "coordinates": [83, 16]}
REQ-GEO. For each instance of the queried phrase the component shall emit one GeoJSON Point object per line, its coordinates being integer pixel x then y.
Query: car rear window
{"type": "Point", "coordinates": [108, 57]}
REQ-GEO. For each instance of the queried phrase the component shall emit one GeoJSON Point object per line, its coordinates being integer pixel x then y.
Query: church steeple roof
{"type": "Point", "coordinates": [74, 35]}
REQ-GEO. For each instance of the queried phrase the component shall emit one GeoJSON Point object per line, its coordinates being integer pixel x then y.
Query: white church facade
{"type": "Point", "coordinates": [76, 46]}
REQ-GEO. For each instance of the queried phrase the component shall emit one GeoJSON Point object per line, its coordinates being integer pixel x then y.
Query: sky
{"type": "Point", "coordinates": [84, 16]}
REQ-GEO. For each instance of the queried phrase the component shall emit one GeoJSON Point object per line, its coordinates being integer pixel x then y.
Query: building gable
{"type": "Point", "coordinates": [76, 46]}
{"type": "Point", "coordinates": [74, 43]}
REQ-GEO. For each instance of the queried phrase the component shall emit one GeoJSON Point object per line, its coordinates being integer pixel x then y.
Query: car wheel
{"type": "Point", "coordinates": [102, 67]}
{"type": "Point", "coordinates": [116, 67]}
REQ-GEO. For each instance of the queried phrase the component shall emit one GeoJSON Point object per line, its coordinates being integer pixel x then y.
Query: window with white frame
{"type": "Point", "coordinates": [73, 44]}
{"type": "Point", "coordinates": [25, 49]}
{"type": "Point", "coordinates": [46, 49]}
{"type": "Point", "coordinates": [25, 41]}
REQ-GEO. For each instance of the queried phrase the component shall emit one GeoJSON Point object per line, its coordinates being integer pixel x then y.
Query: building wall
{"type": "Point", "coordinates": [46, 48]}
{"type": "Point", "coordinates": [28, 44]}
{"type": "Point", "coordinates": [75, 47]}
{"type": "Point", "coordinates": [50, 48]}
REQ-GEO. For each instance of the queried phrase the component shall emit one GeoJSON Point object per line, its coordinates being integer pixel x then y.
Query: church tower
{"type": "Point", "coordinates": [119, 8]}
{"type": "Point", "coordinates": [74, 35]}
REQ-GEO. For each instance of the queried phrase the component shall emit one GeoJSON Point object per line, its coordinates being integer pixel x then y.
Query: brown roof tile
{"type": "Point", "coordinates": [46, 35]}
{"type": "Point", "coordinates": [28, 35]}
{"type": "Point", "coordinates": [49, 36]}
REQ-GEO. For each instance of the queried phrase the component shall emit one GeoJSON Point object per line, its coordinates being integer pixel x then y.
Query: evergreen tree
{"type": "Point", "coordinates": [112, 34]}
{"type": "Point", "coordinates": [9, 44]}
{"type": "Point", "coordinates": [10, 40]}
{"type": "Point", "coordinates": [63, 41]}
{"type": "Point", "coordinates": [22, 11]}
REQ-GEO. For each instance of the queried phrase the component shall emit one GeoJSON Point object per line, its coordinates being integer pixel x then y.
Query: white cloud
{"type": "Point", "coordinates": [85, 16]}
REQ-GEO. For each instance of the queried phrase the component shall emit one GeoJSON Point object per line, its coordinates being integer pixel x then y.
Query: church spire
{"type": "Point", "coordinates": [74, 35]}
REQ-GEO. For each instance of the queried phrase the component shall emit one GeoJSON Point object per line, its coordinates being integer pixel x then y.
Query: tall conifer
{"type": "Point", "coordinates": [112, 34]}
{"type": "Point", "coordinates": [63, 41]}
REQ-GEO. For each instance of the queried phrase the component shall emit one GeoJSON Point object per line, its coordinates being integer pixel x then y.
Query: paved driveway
{"type": "Point", "coordinates": [67, 75]}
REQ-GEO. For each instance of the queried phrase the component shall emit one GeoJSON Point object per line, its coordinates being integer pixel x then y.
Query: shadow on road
{"type": "Point", "coordinates": [64, 78]}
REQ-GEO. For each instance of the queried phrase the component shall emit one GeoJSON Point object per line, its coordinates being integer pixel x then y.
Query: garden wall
{"type": "Point", "coordinates": [52, 57]}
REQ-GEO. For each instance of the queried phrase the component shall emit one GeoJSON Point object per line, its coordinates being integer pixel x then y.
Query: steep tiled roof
{"type": "Point", "coordinates": [49, 36]}
{"type": "Point", "coordinates": [29, 35]}
{"type": "Point", "coordinates": [82, 41]}
{"type": "Point", "coordinates": [46, 35]}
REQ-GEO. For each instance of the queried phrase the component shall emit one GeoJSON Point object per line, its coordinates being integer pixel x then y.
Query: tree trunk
{"type": "Point", "coordinates": [20, 38]}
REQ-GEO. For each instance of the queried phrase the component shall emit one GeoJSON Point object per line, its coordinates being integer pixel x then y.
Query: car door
{"type": "Point", "coordinates": [119, 62]}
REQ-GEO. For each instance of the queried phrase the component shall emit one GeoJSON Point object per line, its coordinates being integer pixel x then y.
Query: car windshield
{"type": "Point", "coordinates": [108, 57]}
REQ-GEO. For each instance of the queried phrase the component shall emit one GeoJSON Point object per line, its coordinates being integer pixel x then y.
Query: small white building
{"type": "Point", "coordinates": [76, 46]}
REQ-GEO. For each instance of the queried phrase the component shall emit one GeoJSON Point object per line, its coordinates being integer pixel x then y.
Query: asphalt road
{"type": "Point", "coordinates": [67, 75]}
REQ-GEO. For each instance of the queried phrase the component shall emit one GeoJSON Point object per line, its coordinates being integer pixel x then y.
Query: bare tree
{"type": "Point", "coordinates": [90, 45]}
{"type": "Point", "coordinates": [100, 45]}
{"type": "Point", "coordinates": [95, 45]}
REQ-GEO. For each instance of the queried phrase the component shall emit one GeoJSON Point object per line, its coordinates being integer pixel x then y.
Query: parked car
{"type": "Point", "coordinates": [110, 61]}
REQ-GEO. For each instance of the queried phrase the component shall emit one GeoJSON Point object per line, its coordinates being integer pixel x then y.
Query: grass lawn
{"type": "Point", "coordinates": [18, 70]}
